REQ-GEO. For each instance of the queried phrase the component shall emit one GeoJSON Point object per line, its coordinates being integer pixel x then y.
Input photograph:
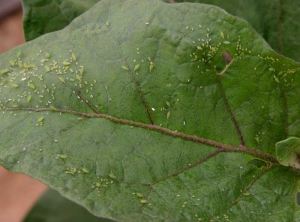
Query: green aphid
{"type": "Point", "coordinates": [125, 68]}
{"type": "Point", "coordinates": [151, 66]}
{"type": "Point", "coordinates": [62, 156]}
{"type": "Point", "coordinates": [31, 86]}
{"type": "Point", "coordinates": [14, 85]}
{"type": "Point", "coordinates": [78, 77]}
{"type": "Point", "coordinates": [271, 69]}
{"type": "Point", "coordinates": [40, 119]}
{"type": "Point", "coordinates": [85, 170]}
{"type": "Point", "coordinates": [222, 35]}
{"type": "Point", "coordinates": [143, 201]}
{"type": "Point", "coordinates": [74, 57]}
{"type": "Point", "coordinates": [112, 176]}
{"type": "Point", "coordinates": [139, 194]}
{"type": "Point", "coordinates": [62, 80]}
{"type": "Point", "coordinates": [12, 62]}
{"type": "Point", "coordinates": [53, 107]}
{"type": "Point", "coordinates": [28, 66]}
{"type": "Point", "coordinates": [66, 63]}
{"type": "Point", "coordinates": [168, 115]}
{"type": "Point", "coordinates": [19, 53]}
{"type": "Point", "coordinates": [4, 71]}
{"type": "Point", "coordinates": [47, 68]}
{"type": "Point", "coordinates": [276, 79]}
{"type": "Point", "coordinates": [81, 71]}
{"type": "Point", "coordinates": [136, 67]}
{"type": "Point", "coordinates": [29, 98]}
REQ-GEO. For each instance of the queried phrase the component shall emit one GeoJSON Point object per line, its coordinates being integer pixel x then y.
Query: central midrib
{"type": "Point", "coordinates": [218, 145]}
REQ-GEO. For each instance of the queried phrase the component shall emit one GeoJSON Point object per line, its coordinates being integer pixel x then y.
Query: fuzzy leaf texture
{"type": "Point", "coordinates": [132, 112]}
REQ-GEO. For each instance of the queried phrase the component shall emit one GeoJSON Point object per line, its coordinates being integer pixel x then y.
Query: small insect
{"type": "Point", "coordinates": [112, 176]}
{"type": "Point", "coordinates": [85, 170]}
{"type": "Point", "coordinates": [74, 57]}
{"type": "Point", "coordinates": [136, 67]}
{"type": "Point", "coordinates": [125, 68]}
{"type": "Point", "coordinates": [168, 115]}
{"type": "Point", "coordinates": [62, 80]}
{"type": "Point", "coordinates": [14, 85]}
{"type": "Point", "coordinates": [4, 71]}
{"type": "Point", "coordinates": [222, 35]}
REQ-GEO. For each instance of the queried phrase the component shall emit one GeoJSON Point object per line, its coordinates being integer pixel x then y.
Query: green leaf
{"type": "Point", "coordinates": [276, 21]}
{"type": "Point", "coordinates": [130, 156]}
{"type": "Point", "coordinates": [41, 17]}
{"type": "Point", "coordinates": [288, 152]}
{"type": "Point", "coordinates": [52, 207]}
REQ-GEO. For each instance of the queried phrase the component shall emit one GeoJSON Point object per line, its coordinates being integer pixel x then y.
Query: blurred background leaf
{"type": "Point", "coordinates": [44, 16]}
{"type": "Point", "coordinates": [52, 207]}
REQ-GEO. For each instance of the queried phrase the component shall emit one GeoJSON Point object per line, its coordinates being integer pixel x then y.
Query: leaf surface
{"type": "Point", "coordinates": [131, 112]}
{"type": "Point", "coordinates": [276, 21]}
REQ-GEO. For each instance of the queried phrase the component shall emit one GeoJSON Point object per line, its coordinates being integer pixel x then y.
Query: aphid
{"type": "Point", "coordinates": [19, 53]}
{"type": "Point", "coordinates": [74, 57]}
{"type": "Point", "coordinates": [168, 103]}
{"type": "Point", "coordinates": [222, 34]}
{"type": "Point", "coordinates": [62, 156]}
{"type": "Point", "coordinates": [168, 115]}
{"type": "Point", "coordinates": [151, 66]}
{"type": "Point", "coordinates": [276, 79]}
{"type": "Point", "coordinates": [53, 107]}
{"type": "Point", "coordinates": [143, 201]}
{"type": "Point", "coordinates": [125, 68]}
{"type": "Point", "coordinates": [31, 86]}
{"type": "Point", "coordinates": [11, 62]}
{"type": "Point", "coordinates": [271, 69]}
{"type": "Point", "coordinates": [112, 176]}
{"type": "Point", "coordinates": [66, 63]}
{"type": "Point", "coordinates": [40, 119]}
{"type": "Point", "coordinates": [139, 194]}
{"type": "Point", "coordinates": [62, 80]}
{"type": "Point", "coordinates": [226, 42]}
{"type": "Point", "coordinates": [81, 70]}
{"type": "Point", "coordinates": [136, 67]}
{"type": "Point", "coordinates": [78, 77]}
{"type": "Point", "coordinates": [14, 85]}
{"type": "Point", "coordinates": [4, 71]}
{"type": "Point", "coordinates": [29, 98]}
{"type": "Point", "coordinates": [85, 170]}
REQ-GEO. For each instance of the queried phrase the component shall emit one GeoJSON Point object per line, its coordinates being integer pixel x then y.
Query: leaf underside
{"type": "Point", "coordinates": [134, 115]}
